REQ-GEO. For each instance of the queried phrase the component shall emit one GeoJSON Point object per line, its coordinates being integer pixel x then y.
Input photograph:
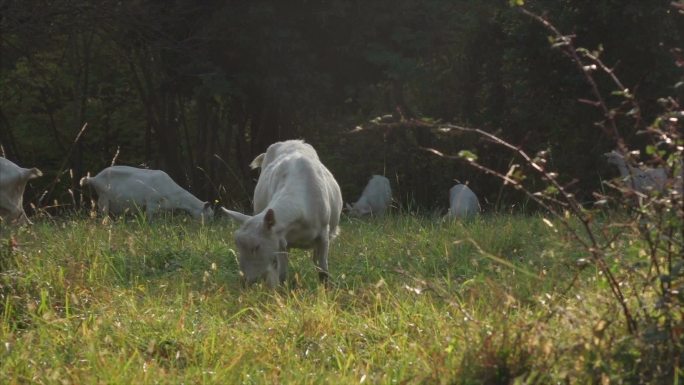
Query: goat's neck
{"type": "Point", "coordinates": [625, 169]}
{"type": "Point", "coordinates": [186, 201]}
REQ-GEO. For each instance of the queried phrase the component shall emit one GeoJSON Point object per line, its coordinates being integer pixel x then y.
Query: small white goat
{"type": "Point", "coordinates": [643, 181]}
{"type": "Point", "coordinates": [13, 181]}
{"type": "Point", "coordinates": [375, 199]}
{"type": "Point", "coordinates": [462, 202]}
{"type": "Point", "coordinates": [121, 188]}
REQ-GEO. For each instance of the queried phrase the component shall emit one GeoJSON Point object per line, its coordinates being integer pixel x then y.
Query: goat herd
{"type": "Point", "coordinates": [297, 203]}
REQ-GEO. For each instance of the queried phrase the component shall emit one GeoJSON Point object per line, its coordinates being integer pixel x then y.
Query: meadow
{"type": "Point", "coordinates": [413, 300]}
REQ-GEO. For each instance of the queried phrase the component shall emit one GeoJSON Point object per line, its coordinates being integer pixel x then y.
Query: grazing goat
{"type": "Point", "coordinates": [462, 202]}
{"type": "Point", "coordinates": [375, 199]}
{"type": "Point", "coordinates": [297, 204]}
{"type": "Point", "coordinates": [12, 184]}
{"type": "Point", "coordinates": [643, 181]}
{"type": "Point", "coordinates": [121, 188]}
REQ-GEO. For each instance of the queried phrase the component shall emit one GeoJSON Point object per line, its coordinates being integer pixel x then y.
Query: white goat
{"type": "Point", "coordinates": [13, 181]}
{"type": "Point", "coordinates": [297, 204]}
{"type": "Point", "coordinates": [121, 188]}
{"type": "Point", "coordinates": [462, 202]}
{"type": "Point", "coordinates": [375, 199]}
{"type": "Point", "coordinates": [644, 181]}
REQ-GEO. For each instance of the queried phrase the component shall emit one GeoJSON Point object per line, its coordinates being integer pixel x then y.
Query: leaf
{"type": "Point", "coordinates": [624, 93]}
{"type": "Point", "coordinates": [550, 190]}
{"type": "Point", "coordinates": [582, 262]}
{"type": "Point", "coordinates": [468, 155]}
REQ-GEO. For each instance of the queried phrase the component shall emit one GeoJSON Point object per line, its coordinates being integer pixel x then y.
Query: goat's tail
{"type": "Point", "coordinates": [85, 180]}
{"type": "Point", "coordinates": [256, 163]}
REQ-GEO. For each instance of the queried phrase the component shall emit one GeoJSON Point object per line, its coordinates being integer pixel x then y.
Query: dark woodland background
{"type": "Point", "coordinates": [198, 88]}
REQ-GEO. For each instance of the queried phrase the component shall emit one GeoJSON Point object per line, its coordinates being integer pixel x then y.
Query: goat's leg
{"type": "Point", "coordinates": [320, 256]}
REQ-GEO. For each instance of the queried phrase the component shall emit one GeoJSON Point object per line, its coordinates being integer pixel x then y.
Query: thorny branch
{"type": "Point", "coordinates": [565, 42]}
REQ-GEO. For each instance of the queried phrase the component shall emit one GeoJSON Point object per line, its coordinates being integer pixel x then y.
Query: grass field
{"type": "Point", "coordinates": [413, 300]}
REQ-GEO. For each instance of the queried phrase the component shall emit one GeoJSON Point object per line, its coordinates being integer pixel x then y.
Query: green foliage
{"type": "Point", "coordinates": [468, 155]}
{"type": "Point", "coordinates": [200, 89]}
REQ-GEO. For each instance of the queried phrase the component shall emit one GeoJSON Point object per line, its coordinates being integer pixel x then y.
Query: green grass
{"type": "Point", "coordinates": [413, 300]}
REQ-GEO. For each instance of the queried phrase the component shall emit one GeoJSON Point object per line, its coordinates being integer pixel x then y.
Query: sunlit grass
{"type": "Point", "coordinates": [412, 300]}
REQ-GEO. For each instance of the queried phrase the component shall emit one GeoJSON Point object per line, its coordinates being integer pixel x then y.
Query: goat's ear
{"type": "Point", "coordinates": [236, 216]}
{"type": "Point", "coordinates": [256, 163]}
{"type": "Point", "coordinates": [269, 219]}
